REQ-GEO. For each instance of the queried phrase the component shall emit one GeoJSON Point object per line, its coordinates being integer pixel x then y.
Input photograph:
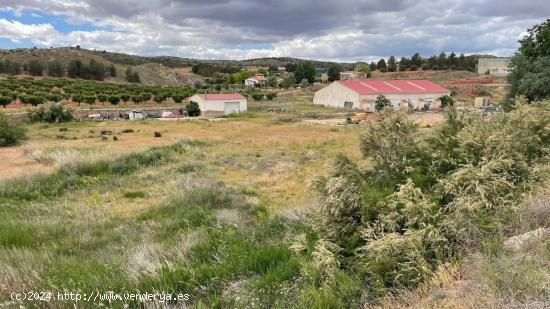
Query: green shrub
{"type": "Point", "coordinates": [53, 113]}
{"type": "Point", "coordinates": [11, 132]}
{"type": "Point", "coordinates": [193, 109]}
{"type": "Point", "coordinates": [5, 101]}
{"type": "Point", "coordinates": [177, 98]}
{"type": "Point", "coordinates": [257, 96]}
{"type": "Point", "coordinates": [270, 96]}
{"type": "Point", "coordinates": [114, 99]}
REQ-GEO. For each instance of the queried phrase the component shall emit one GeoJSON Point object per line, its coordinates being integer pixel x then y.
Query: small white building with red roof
{"type": "Point", "coordinates": [220, 103]}
{"type": "Point", "coordinates": [362, 94]}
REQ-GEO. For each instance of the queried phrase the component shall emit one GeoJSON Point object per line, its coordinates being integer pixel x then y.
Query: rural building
{"type": "Point", "coordinates": [362, 94]}
{"type": "Point", "coordinates": [493, 66]}
{"type": "Point", "coordinates": [227, 103]}
{"type": "Point", "coordinates": [348, 75]}
{"type": "Point", "coordinates": [256, 79]}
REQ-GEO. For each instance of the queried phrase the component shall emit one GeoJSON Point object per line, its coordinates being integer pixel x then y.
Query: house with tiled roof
{"type": "Point", "coordinates": [362, 94]}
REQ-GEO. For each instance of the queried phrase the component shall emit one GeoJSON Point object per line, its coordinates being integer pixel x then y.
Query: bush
{"type": "Point", "coordinates": [158, 134]}
{"type": "Point", "coordinates": [178, 98]}
{"type": "Point", "coordinates": [257, 96]}
{"type": "Point", "coordinates": [381, 103]}
{"type": "Point", "coordinates": [11, 132]}
{"type": "Point", "coordinates": [446, 101]}
{"type": "Point", "coordinates": [391, 142]}
{"type": "Point", "coordinates": [193, 109]}
{"type": "Point", "coordinates": [114, 99]}
{"type": "Point", "coordinates": [271, 96]}
{"type": "Point", "coordinates": [54, 97]}
{"type": "Point", "coordinates": [5, 101]}
{"type": "Point", "coordinates": [53, 113]}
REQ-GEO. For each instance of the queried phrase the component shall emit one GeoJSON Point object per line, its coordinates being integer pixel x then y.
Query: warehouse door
{"type": "Point", "coordinates": [231, 108]}
{"type": "Point", "coordinates": [348, 105]}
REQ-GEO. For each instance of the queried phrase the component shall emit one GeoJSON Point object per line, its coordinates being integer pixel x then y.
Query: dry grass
{"type": "Point", "coordinates": [277, 160]}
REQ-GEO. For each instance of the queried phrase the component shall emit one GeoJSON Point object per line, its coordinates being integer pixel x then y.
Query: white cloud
{"type": "Point", "coordinates": [16, 31]}
{"type": "Point", "coordinates": [334, 30]}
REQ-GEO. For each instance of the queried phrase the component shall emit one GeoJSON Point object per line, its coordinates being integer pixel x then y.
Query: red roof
{"type": "Point", "coordinates": [221, 96]}
{"type": "Point", "coordinates": [372, 86]}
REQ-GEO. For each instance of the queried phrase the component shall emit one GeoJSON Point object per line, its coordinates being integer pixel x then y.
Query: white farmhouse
{"type": "Point", "coordinates": [362, 94]}
{"type": "Point", "coordinates": [226, 103]}
{"type": "Point", "coordinates": [256, 79]}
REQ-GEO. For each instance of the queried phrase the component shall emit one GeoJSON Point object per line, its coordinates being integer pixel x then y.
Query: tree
{"type": "Point", "coordinates": [75, 69]}
{"type": "Point", "coordinates": [262, 71]}
{"type": "Point", "coordinates": [11, 131]}
{"type": "Point", "coordinates": [193, 109]}
{"type": "Point", "coordinates": [89, 99]}
{"type": "Point", "coordinates": [291, 67]}
{"type": "Point", "coordinates": [372, 66]}
{"type": "Point", "coordinates": [125, 97]}
{"type": "Point", "coordinates": [442, 61]}
{"type": "Point", "coordinates": [404, 64]}
{"type": "Point", "coordinates": [381, 103]}
{"type": "Point", "coordinates": [416, 60]}
{"type": "Point", "coordinates": [363, 68]}
{"type": "Point", "coordinates": [55, 68]}
{"type": "Point", "coordinates": [5, 101]}
{"type": "Point", "coordinates": [178, 98]}
{"type": "Point", "coordinates": [534, 80]}
{"type": "Point", "coordinates": [114, 99]}
{"type": "Point", "coordinates": [94, 70]}
{"type": "Point", "coordinates": [271, 82]}
{"type": "Point", "coordinates": [446, 101]}
{"type": "Point", "coordinates": [537, 41]}
{"type": "Point", "coordinates": [77, 98]}
{"type": "Point", "coordinates": [381, 65]}
{"type": "Point", "coordinates": [453, 61]}
{"type": "Point", "coordinates": [273, 69]}
{"type": "Point", "coordinates": [112, 70]}
{"type": "Point", "coordinates": [54, 97]}
{"type": "Point", "coordinates": [529, 72]}
{"type": "Point", "coordinates": [102, 97]}
{"type": "Point", "coordinates": [36, 68]}
{"type": "Point", "coordinates": [334, 72]}
{"type": "Point", "coordinates": [288, 81]}
{"type": "Point", "coordinates": [392, 64]}
{"type": "Point", "coordinates": [136, 98]}
{"type": "Point", "coordinates": [35, 100]}
{"type": "Point", "coordinates": [305, 70]}
{"type": "Point", "coordinates": [461, 62]}
{"type": "Point", "coordinates": [131, 76]}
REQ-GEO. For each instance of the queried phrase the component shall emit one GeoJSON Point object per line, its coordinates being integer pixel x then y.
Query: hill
{"type": "Point", "coordinates": [153, 70]}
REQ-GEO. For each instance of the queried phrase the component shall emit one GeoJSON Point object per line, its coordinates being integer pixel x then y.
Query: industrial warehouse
{"type": "Point", "coordinates": [362, 94]}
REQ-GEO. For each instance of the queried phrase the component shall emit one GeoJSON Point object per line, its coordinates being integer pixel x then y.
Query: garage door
{"type": "Point", "coordinates": [231, 108]}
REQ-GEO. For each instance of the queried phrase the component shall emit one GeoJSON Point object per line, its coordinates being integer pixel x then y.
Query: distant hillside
{"type": "Point", "coordinates": [150, 72]}
{"type": "Point", "coordinates": [158, 70]}
{"type": "Point", "coordinates": [171, 61]}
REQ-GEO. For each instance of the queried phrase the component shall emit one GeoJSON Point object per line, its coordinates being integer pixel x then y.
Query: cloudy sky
{"type": "Point", "coordinates": [345, 30]}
